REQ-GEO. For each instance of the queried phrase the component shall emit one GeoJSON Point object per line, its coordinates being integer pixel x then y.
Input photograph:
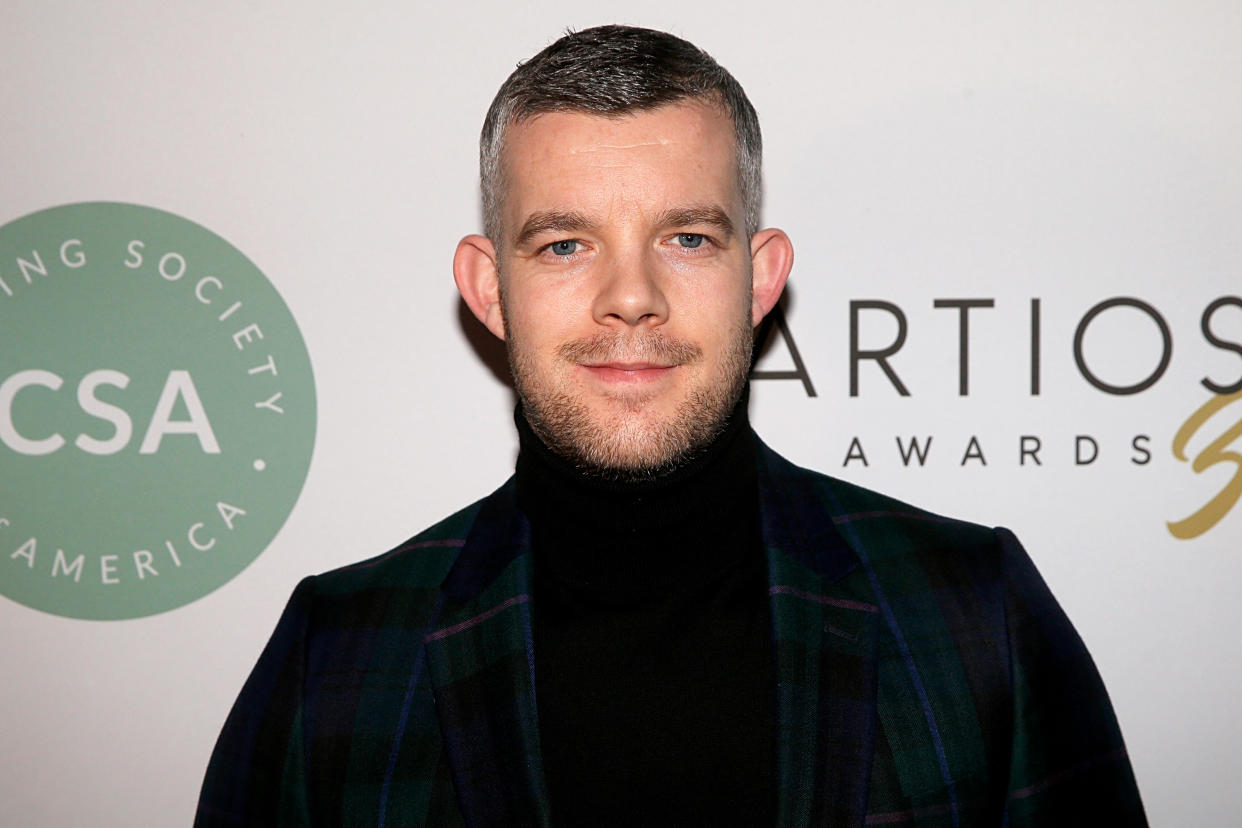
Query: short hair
{"type": "Point", "coordinates": [613, 71]}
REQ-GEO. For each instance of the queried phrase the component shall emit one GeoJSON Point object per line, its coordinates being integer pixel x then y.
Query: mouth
{"type": "Point", "coordinates": [633, 373]}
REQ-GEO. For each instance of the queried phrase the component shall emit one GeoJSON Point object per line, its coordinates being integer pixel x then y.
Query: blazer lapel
{"type": "Point", "coordinates": [824, 628]}
{"type": "Point", "coordinates": [481, 666]}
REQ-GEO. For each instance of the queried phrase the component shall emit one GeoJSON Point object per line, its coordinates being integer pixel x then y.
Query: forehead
{"type": "Point", "coordinates": [679, 153]}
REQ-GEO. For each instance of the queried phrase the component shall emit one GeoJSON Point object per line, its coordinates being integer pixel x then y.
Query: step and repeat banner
{"type": "Point", "coordinates": [231, 351]}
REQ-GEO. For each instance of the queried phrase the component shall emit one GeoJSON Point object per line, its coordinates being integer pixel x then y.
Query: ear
{"type": "Point", "coordinates": [771, 259]}
{"type": "Point", "coordinates": [478, 281]}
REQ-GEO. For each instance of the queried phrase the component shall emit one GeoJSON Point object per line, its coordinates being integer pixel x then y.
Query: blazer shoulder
{"type": "Point", "coordinates": [420, 563]}
{"type": "Point", "coordinates": [863, 515]}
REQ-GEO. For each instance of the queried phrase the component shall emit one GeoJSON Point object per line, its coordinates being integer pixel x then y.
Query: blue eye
{"type": "Point", "coordinates": [691, 240]}
{"type": "Point", "coordinates": [564, 248]}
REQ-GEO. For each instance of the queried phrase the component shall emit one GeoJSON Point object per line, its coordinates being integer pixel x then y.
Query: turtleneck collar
{"type": "Point", "coordinates": [620, 541]}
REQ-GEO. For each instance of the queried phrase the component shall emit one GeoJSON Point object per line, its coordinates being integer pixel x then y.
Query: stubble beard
{"type": "Point", "coordinates": [629, 443]}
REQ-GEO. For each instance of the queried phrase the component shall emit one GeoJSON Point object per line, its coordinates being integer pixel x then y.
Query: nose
{"type": "Point", "coordinates": [630, 294]}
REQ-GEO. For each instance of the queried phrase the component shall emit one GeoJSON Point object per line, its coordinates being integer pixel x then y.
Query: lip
{"type": "Point", "coordinates": [629, 372]}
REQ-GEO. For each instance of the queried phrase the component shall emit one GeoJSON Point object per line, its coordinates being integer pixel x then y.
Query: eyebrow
{"type": "Point", "coordinates": [709, 214]}
{"type": "Point", "coordinates": [552, 221]}
{"type": "Point", "coordinates": [569, 221]}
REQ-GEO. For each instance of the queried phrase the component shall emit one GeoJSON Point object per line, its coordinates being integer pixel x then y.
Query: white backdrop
{"type": "Point", "coordinates": [1068, 152]}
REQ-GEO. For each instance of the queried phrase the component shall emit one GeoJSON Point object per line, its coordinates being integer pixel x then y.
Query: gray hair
{"type": "Point", "coordinates": [612, 71]}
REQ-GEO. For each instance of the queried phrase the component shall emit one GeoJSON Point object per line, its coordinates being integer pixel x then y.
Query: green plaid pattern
{"type": "Point", "coordinates": [926, 677]}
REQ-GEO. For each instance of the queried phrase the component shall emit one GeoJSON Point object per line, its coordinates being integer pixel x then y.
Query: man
{"type": "Point", "coordinates": [658, 621]}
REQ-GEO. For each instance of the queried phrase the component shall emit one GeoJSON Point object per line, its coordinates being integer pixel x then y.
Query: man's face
{"type": "Point", "coordinates": [625, 282]}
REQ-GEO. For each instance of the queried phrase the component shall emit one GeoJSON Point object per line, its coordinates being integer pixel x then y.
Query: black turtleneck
{"type": "Point", "coordinates": [652, 645]}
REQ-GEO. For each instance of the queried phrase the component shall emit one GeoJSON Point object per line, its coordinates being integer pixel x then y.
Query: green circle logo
{"type": "Point", "coordinates": [157, 411]}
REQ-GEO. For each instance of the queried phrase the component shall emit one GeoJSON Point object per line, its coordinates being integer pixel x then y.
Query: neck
{"type": "Point", "coordinates": [635, 538]}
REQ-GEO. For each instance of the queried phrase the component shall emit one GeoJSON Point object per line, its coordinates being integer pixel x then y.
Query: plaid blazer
{"type": "Point", "coordinates": [926, 676]}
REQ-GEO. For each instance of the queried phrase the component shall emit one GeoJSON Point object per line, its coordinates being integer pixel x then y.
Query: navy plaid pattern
{"type": "Point", "coordinates": [926, 677]}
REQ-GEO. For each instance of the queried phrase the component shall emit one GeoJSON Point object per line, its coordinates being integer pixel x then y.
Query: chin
{"type": "Point", "coordinates": [630, 444]}
{"type": "Point", "coordinates": [636, 450]}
